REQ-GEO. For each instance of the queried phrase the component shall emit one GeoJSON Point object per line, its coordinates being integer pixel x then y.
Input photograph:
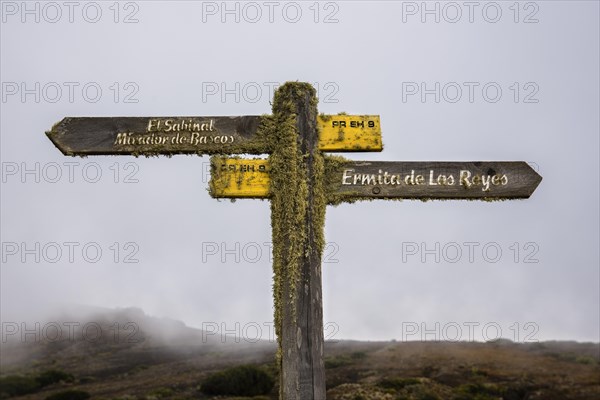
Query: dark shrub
{"type": "Point", "coordinates": [336, 362]}
{"type": "Point", "coordinates": [397, 383]}
{"type": "Point", "coordinates": [14, 385]}
{"type": "Point", "coordinates": [477, 391]}
{"type": "Point", "coordinates": [245, 380]}
{"type": "Point", "coordinates": [69, 395]}
{"type": "Point", "coordinates": [53, 376]}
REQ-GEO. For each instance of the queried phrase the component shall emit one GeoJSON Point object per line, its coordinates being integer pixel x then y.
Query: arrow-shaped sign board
{"type": "Point", "coordinates": [484, 180]}
{"type": "Point", "coordinates": [354, 180]}
{"type": "Point", "coordinates": [83, 136]}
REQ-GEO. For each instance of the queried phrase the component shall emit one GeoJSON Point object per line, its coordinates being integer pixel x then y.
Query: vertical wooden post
{"type": "Point", "coordinates": [298, 215]}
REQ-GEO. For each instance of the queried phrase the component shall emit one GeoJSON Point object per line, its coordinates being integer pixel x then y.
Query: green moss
{"type": "Point", "coordinates": [296, 181]}
{"type": "Point", "coordinates": [325, 117]}
{"type": "Point", "coordinates": [332, 171]}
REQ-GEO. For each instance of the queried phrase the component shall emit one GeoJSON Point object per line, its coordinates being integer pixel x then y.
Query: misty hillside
{"type": "Point", "coordinates": [153, 358]}
{"type": "Point", "coordinates": [108, 341]}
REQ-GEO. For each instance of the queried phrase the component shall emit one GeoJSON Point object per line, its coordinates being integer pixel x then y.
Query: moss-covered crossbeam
{"type": "Point", "coordinates": [347, 180]}
{"type": "Point", "coordinates": [149, 136]}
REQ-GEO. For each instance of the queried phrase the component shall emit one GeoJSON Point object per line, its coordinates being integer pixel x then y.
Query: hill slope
{"type": "Point", "coordinates": [155, 358]}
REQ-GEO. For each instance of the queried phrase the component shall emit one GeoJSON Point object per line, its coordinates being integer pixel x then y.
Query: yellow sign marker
{"type": "Point", "coordinates": [239, 178]}
{"type": "Point", "coordinates": [233, 177]}
{"type": "Point", "coordinates": [349, 133]}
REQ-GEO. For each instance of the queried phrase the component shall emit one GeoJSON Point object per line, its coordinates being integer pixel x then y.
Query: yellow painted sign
{"type": "Point", "coordinates": [349, 133]}
{"type": "Point", "coordinates": [233, 177]}
{"type": "Point", "coordinates": [239, 177]}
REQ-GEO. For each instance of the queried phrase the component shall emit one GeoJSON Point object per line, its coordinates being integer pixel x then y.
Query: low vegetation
{"type": "Point", "coordinates": [187, 366]}
{"type": "Point", "coordinates": [18, 385]}
{"type": "Point", "coordinates": [69, 395]}
{"type": "Point", "coordinates": [245, 380]}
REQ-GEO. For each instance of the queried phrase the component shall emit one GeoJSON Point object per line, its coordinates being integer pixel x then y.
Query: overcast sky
{"type": "Point", "coordinates": [486, 81]}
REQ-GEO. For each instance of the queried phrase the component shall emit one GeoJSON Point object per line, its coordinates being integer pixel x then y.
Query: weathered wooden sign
{"type": "Point", "coordinates": [475, 180]}
{"type": "Point", "coordinates": [355, 180]}
{"type": "Point", "coordinates": [84, 136]}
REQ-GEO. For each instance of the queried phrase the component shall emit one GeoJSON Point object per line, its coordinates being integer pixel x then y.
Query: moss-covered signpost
{"type": "Point", "coordinates": [300, 182]}
{"type": "Point", "coordinates": [297, 219]}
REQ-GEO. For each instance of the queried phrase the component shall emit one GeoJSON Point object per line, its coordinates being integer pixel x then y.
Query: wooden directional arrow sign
{"type": "Point", "coordinates": [354, 180]}
{"type": "Point", "coordinates": [157, 135]}
{"type": "Point", "coordinates": [485, 180]}
{"type": "Point", "coordinates": [83, 136]}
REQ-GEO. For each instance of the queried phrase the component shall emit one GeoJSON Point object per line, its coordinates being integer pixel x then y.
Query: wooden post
{"type": "Point", "coordinates": [298, 214]}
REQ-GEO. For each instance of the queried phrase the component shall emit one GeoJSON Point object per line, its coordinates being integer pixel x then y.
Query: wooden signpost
{"type": "Point", "coordinates": [299, 181]}
{"type": "Point", "coordinates": [354, 180]}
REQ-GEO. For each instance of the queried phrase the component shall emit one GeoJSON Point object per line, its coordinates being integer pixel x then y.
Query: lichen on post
{"type": "Point", "coordinates": [297, 217]}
